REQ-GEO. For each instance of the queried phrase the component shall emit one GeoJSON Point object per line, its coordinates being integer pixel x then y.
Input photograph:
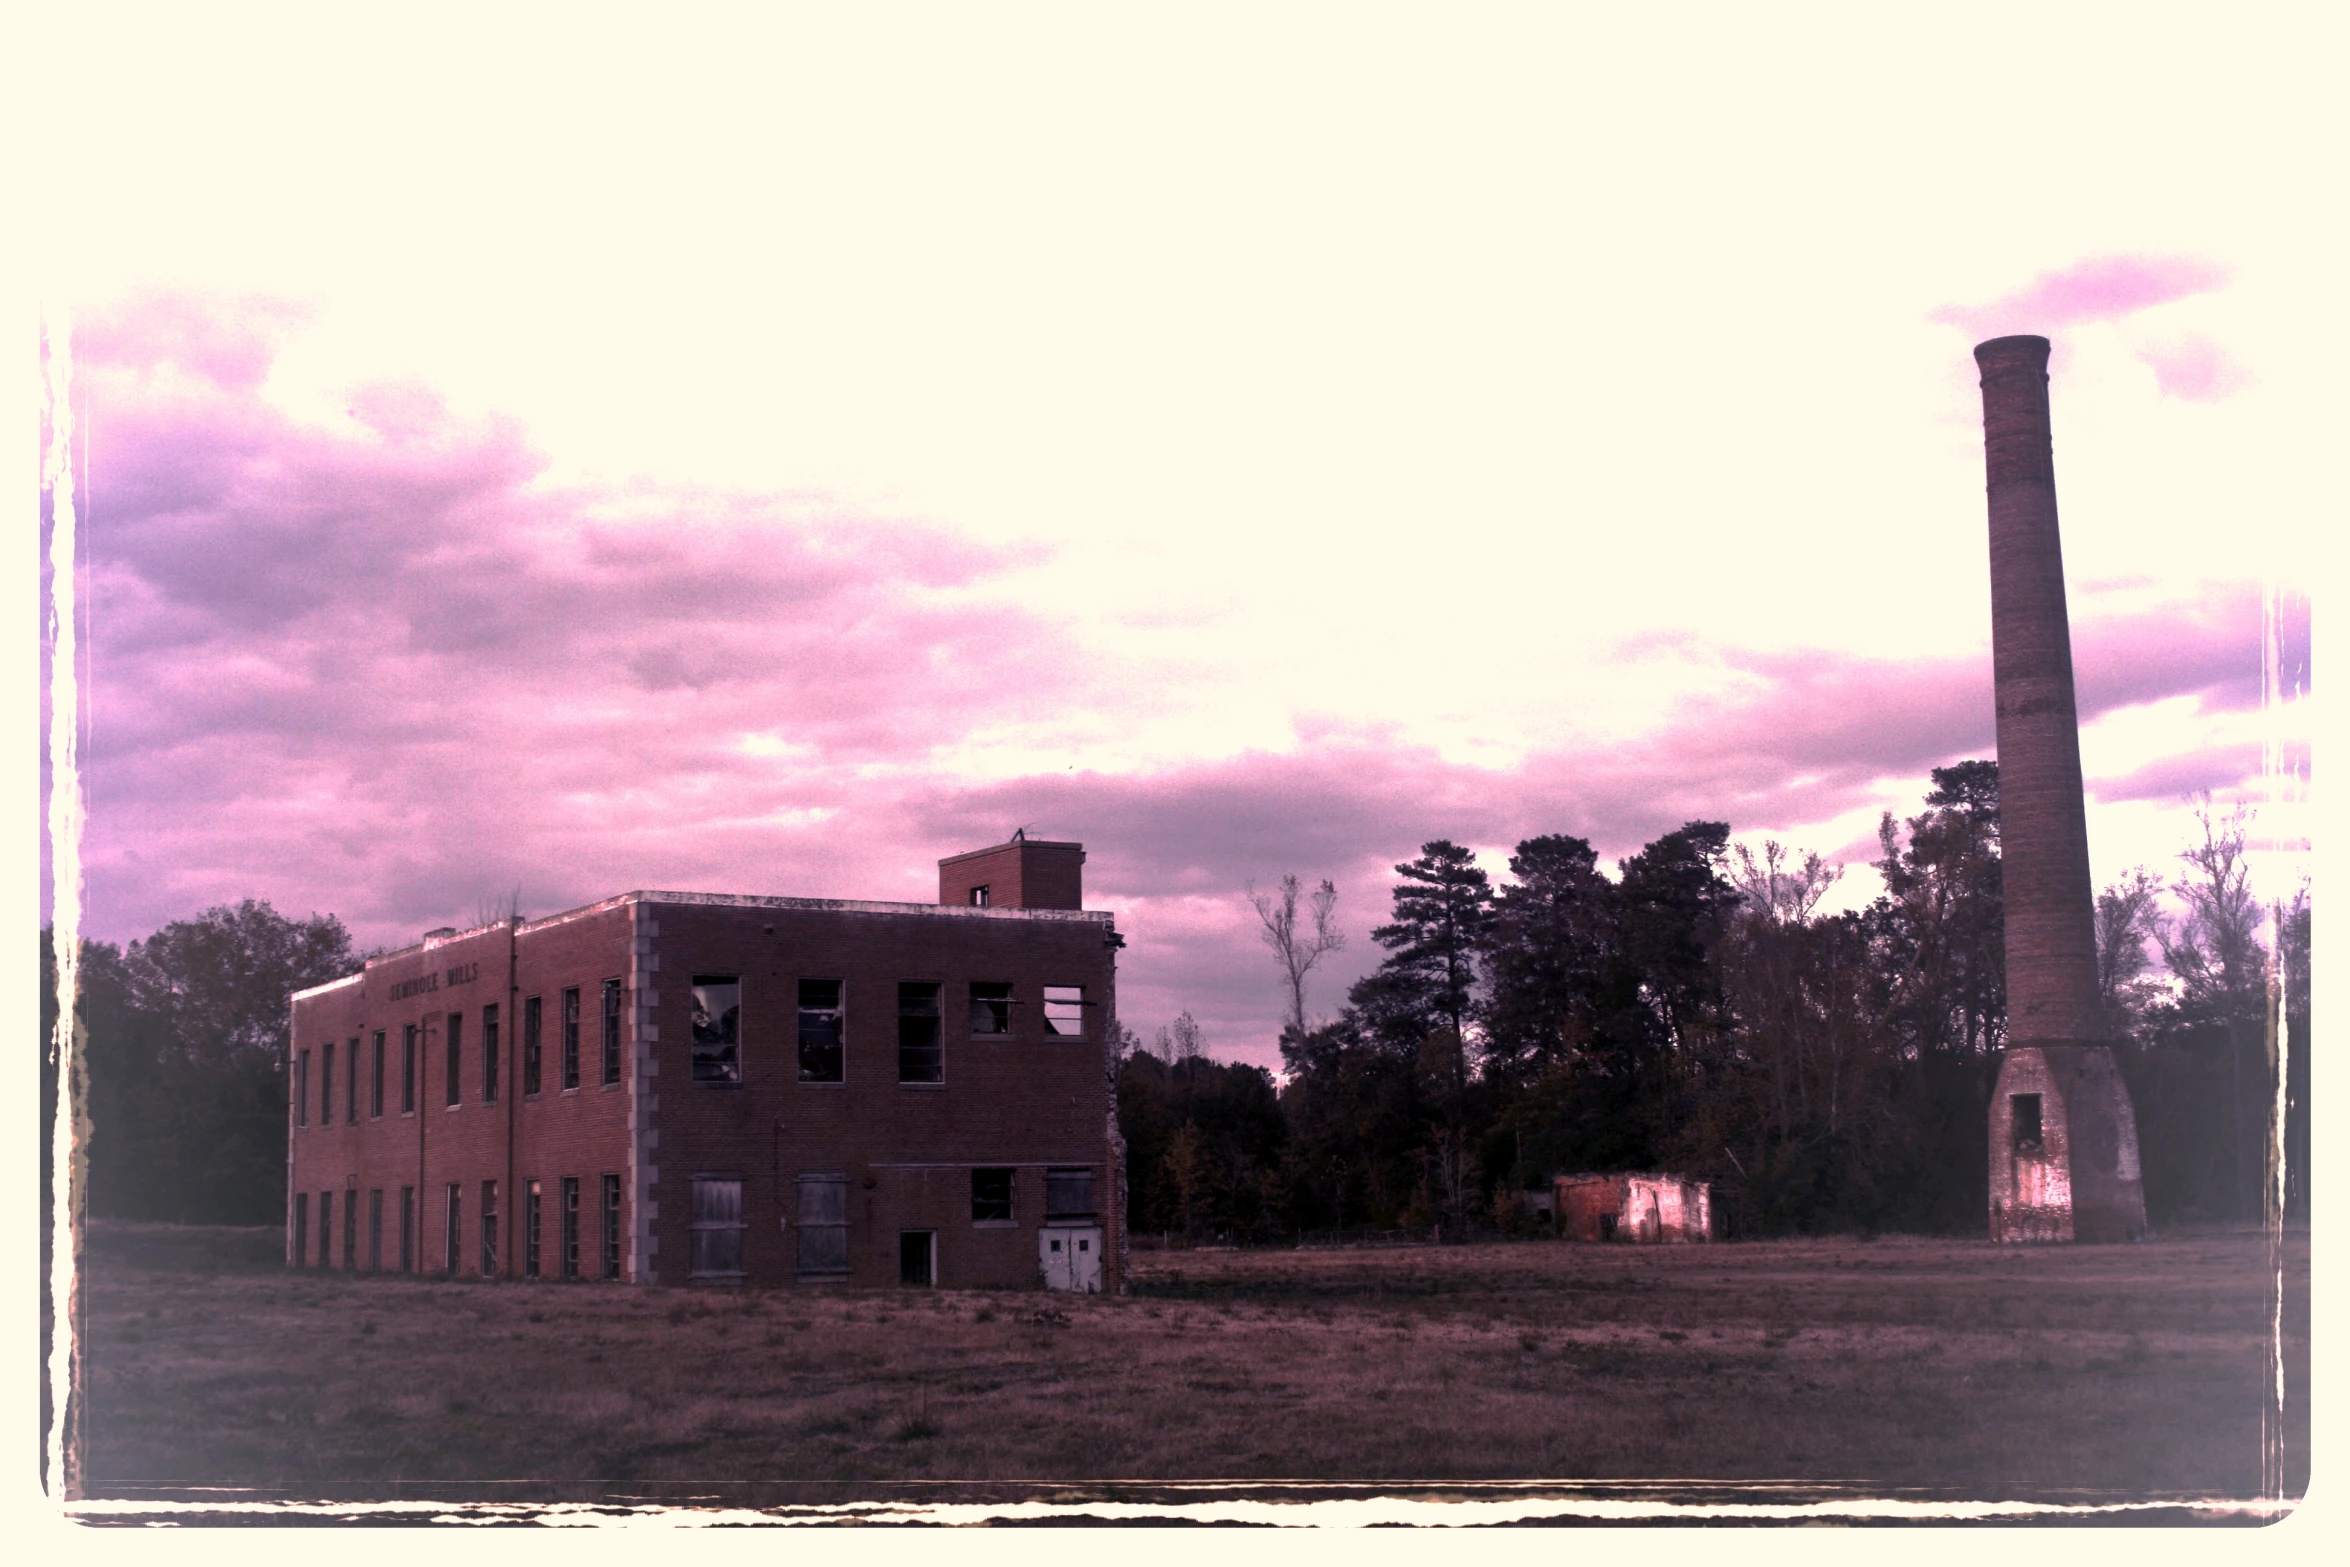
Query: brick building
{"type": "Point", "coordinates": [685, 1087]}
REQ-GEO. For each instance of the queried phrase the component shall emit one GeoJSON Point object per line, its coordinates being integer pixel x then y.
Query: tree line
{"type": "Point", "coordinates": [1697, 1012]}
{"type": "Point", "coordinates": [1694, 1012]}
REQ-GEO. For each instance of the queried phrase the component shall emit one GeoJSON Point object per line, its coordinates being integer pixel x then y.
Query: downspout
{"type": "Point", "coordinates": [286, 1071]}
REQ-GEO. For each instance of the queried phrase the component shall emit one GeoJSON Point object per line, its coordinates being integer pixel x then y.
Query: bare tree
{"type": "Point", "coordinates": [497, 911]}
{"type": "Point", "coordinates": [2127, 919]}
{"type": "Point", "coordinates": [1776, 889]}
{"type": "Point", "coordinates": [1296, 951]}
{"type": "Point", "coordinates": [1180, 1040]}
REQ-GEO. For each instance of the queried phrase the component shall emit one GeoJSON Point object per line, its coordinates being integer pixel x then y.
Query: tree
{"type": "Point", "coordinates": [1297, 951]}
{"type": "Point", "coordinates": [2129, 916]}
{"type": "Point", "coordinates": [1941, 924]}
{"type": "Point", "coordinates": [1776, 889]}
{"type": "Point", "coordinates": [222, 978]}
{"type": "Point", "coordinates": [1442, 908]}
{"type": "Point", "coordinates": [1547, 952]}
{"type": "Point", "coordinates": [1180, 1040]}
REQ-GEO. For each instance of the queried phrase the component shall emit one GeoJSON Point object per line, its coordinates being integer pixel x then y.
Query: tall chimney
{"type": "Point", "coordinates": [2064, 1143]}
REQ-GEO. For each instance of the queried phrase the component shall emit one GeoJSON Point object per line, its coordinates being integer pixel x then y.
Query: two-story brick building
{"type": "Point", "coordinates": [685, 1087]}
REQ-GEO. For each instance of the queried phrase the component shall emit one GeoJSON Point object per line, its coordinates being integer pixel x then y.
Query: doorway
{"type": "Point", "coordinates": [917, 1257]}
{"type": "Point", "coordinates": [1070, 1259]}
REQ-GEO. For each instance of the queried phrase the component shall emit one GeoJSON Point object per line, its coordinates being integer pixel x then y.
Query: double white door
{"type": "Point", "coordinates": [1070, 1259]}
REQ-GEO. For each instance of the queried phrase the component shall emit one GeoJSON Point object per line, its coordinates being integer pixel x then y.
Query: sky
{"type": "Point", "coordinates": [547, 453]}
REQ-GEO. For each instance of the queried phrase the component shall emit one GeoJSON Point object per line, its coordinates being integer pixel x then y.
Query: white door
{"type": "Point", "coordinates": [1070, 1259]}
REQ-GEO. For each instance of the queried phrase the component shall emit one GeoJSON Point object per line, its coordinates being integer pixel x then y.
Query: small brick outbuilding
{"type": "Point", "coordinates": [1631, 1207]}
{"type": "Point", "coordinates": [698, 1088]}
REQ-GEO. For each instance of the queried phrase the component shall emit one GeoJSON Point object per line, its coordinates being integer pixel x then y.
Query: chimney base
{"type": "Point", "coordinates": [2064, 1147]}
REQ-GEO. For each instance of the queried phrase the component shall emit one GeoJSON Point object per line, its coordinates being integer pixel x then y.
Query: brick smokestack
{"type": "Point", "coordinates": [2043, 828]}
{"type": "Point", "coordinates": [2064, 1140]}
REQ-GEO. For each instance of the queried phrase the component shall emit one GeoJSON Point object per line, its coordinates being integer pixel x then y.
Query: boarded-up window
{"type": "Point", "coordinates": [717, 1225]}
{"type": "Point", "coordinates": [921, 1058]}
{"type": "Point", "coordinates": [1068, 1194]}
{"type": "Point", "coordinates": [991, 1007]}
{"type": "Point", "coordinates": [717, 1028]}
{"type": "Point", "coordinates": [824, 1224]}
{"type": "Point", "coordinates": [991, 1196]}
{"type": "Point", "coordinates": [1064, 1010]}
{"type": "Point", "coordinates": [820, 1029]}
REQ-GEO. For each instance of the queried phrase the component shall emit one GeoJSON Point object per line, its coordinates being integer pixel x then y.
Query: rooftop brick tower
{"type": "Point", "coordinates": [2064, 1143]}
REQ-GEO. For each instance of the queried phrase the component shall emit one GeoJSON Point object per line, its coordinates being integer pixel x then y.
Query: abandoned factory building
{"type": "Point", "coordinates": [690, 1087]}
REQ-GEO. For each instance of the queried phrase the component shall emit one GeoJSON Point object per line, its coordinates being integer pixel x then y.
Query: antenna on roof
{"type": "Point", "coordinates": [1019, 835]}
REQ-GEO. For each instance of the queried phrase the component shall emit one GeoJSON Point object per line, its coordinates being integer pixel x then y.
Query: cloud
{"type": "Point", "coordinates": [2113, 288]}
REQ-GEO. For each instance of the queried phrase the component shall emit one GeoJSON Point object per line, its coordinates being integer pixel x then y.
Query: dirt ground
{"type": "Point", "coordinates": [1952, 1365]}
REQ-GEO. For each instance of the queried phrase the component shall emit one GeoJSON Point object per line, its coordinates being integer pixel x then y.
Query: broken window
{"type": "Point", "coordinates": [350, 1084]}
{"type": "Point", "coordinates": [408, 1069]}
{"type": "Point", "coordinates": [717, 1226]}
{"type": "Point", "coordinates": [717, 1028]}
{"type": "Point", "coordinates": [326, 1085]}
{"type": "Point", "coordinates": [489, 1055]}
{"type": "Point", "coordinates": [820, 1028]}
{"type": "Point", "coordinates": [301, 1228]}
{"type": "Point", "coordinates": [407, 1229]}
{"type": "Point", "coordinates": [489, 1229]}
{"type": "Point", "coordinates": [921, 1053]}
{"type": "Point", "coordinates": [530, 1229]}
{"type": "Point", "coordinates": [1068, 1194]}
{"type": "Point", "coordinates": [2024, 1123]}
{"type": "Point", "coordinates": [991, 1007]}
{"type": "Point", "coordinates": [456, 1089]}
{"type": "Point", "coordinates": [375, 1091]}
{"type": "Point", "coordinates": [375, 1229]}
{"type": "Point", "coordinates": [824, 1224]}
{"type": "Point", "coordinates": [1064, 1010]}
{"type": "Point", "coordinates": [302, 1089]}
{"type": "Point", "coordinates": [980, 898]}
{"type": "Point", "coordinates": [991, 1196]}
{"type": "Point", "coordinates": [530, 1046]}
{"type": "Point", "coordinates": [611, 1031]}
{"type": "Point", "coordinates": [570, 1206]}
{"type": "Point", "coordinates": [611, 1226]}
{"type": "Point", "coordinates": [571, 1037]}
{"type": "Point", "coordinates": [455, 1229]}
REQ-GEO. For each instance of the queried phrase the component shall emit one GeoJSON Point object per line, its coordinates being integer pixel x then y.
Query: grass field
{"type": "Point", "coordinates": [1897, 1362]}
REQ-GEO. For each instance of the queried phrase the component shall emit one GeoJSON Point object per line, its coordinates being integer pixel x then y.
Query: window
{"type": "Point", "coordinates": [991, 1007]}
{"type": "Point", "coordinates": [375, 1092]}
{"type": "Point", "coordinates": [351, 1228]}
{"type": "Point", "coordinates": [375, 1229]}
{"type": "Point", "coordinates": [611, 1032]}
{"type": "Point", "coordinates": [991, 1196]}
{"type": "Point", "coordinates": [980, 898]}
{"type": "Point", "coordinates": [717, 1028]}
{"type": "Point", "coordinates": [571, 1037]}
{"type": "Point", "coordinates": [489, 1055]}
{"type": "Point", "coordinates": [570, 1197]}
{"type": "Point", "coordinates": [326, 1228]}
{"type": "Point", "coordinates": [408, 1069]}
{"type": "Point", "coordinates": [530, 1229]}
{"type": "Point", "coordinates": [1064, 1010]}
{"type": "Point", "coordinates": [2024, 1123]}
{"type": "Point", "coordinates": [456, 1056]}
{"type": "Point", "coordinates": [456, 1229]}
{"type": "Point", "coordinates": [820, 1052]}
{"type": "Point", "coordinates": [326, 1085]}
{"type": "Point", "coordinates": [489, 1229]}
{"type": "Point", "coordinates": [824, 1224]}
{"type": "Point", "coordinates": [717, 1226]}
{"type": "Point", "coordinates": [350, 1084]}
{"type": "Point", "coordinates": [407, 1229]}
{"type": "Point", "coordinates": [611, 1226]}
{"type": "Point", "coordinates": [920, 1056]}
{"type": "Point", "coordinates": [301, 1228]}
{"type": "Point", "coordinates": [1068, 1194]}
{"type": "Point", "coordinates": [302, 1089]}
{"type": "Point", "coordinates": [530, 1046]}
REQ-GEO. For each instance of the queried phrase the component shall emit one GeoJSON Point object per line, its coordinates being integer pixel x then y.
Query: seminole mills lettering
{"type": "Point", "coordinates": [462, 974]}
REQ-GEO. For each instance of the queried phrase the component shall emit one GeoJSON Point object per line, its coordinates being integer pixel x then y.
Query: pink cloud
{"type": "Point", "coordinates": [2113, 288]}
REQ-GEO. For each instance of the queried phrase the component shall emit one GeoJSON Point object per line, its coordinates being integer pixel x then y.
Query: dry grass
{"type": "Point", "coordinates": [1944, 1364]}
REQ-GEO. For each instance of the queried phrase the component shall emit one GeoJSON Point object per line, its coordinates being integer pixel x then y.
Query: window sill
{"type": "Point", "coordinates": [829, 1085]}
{"type": "Point", "coordinates": [995, 1224]}
{"type": "Point", "coordinates": [716, 1082]}
{"type": "Point", "coordinates": [925, 1087]}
